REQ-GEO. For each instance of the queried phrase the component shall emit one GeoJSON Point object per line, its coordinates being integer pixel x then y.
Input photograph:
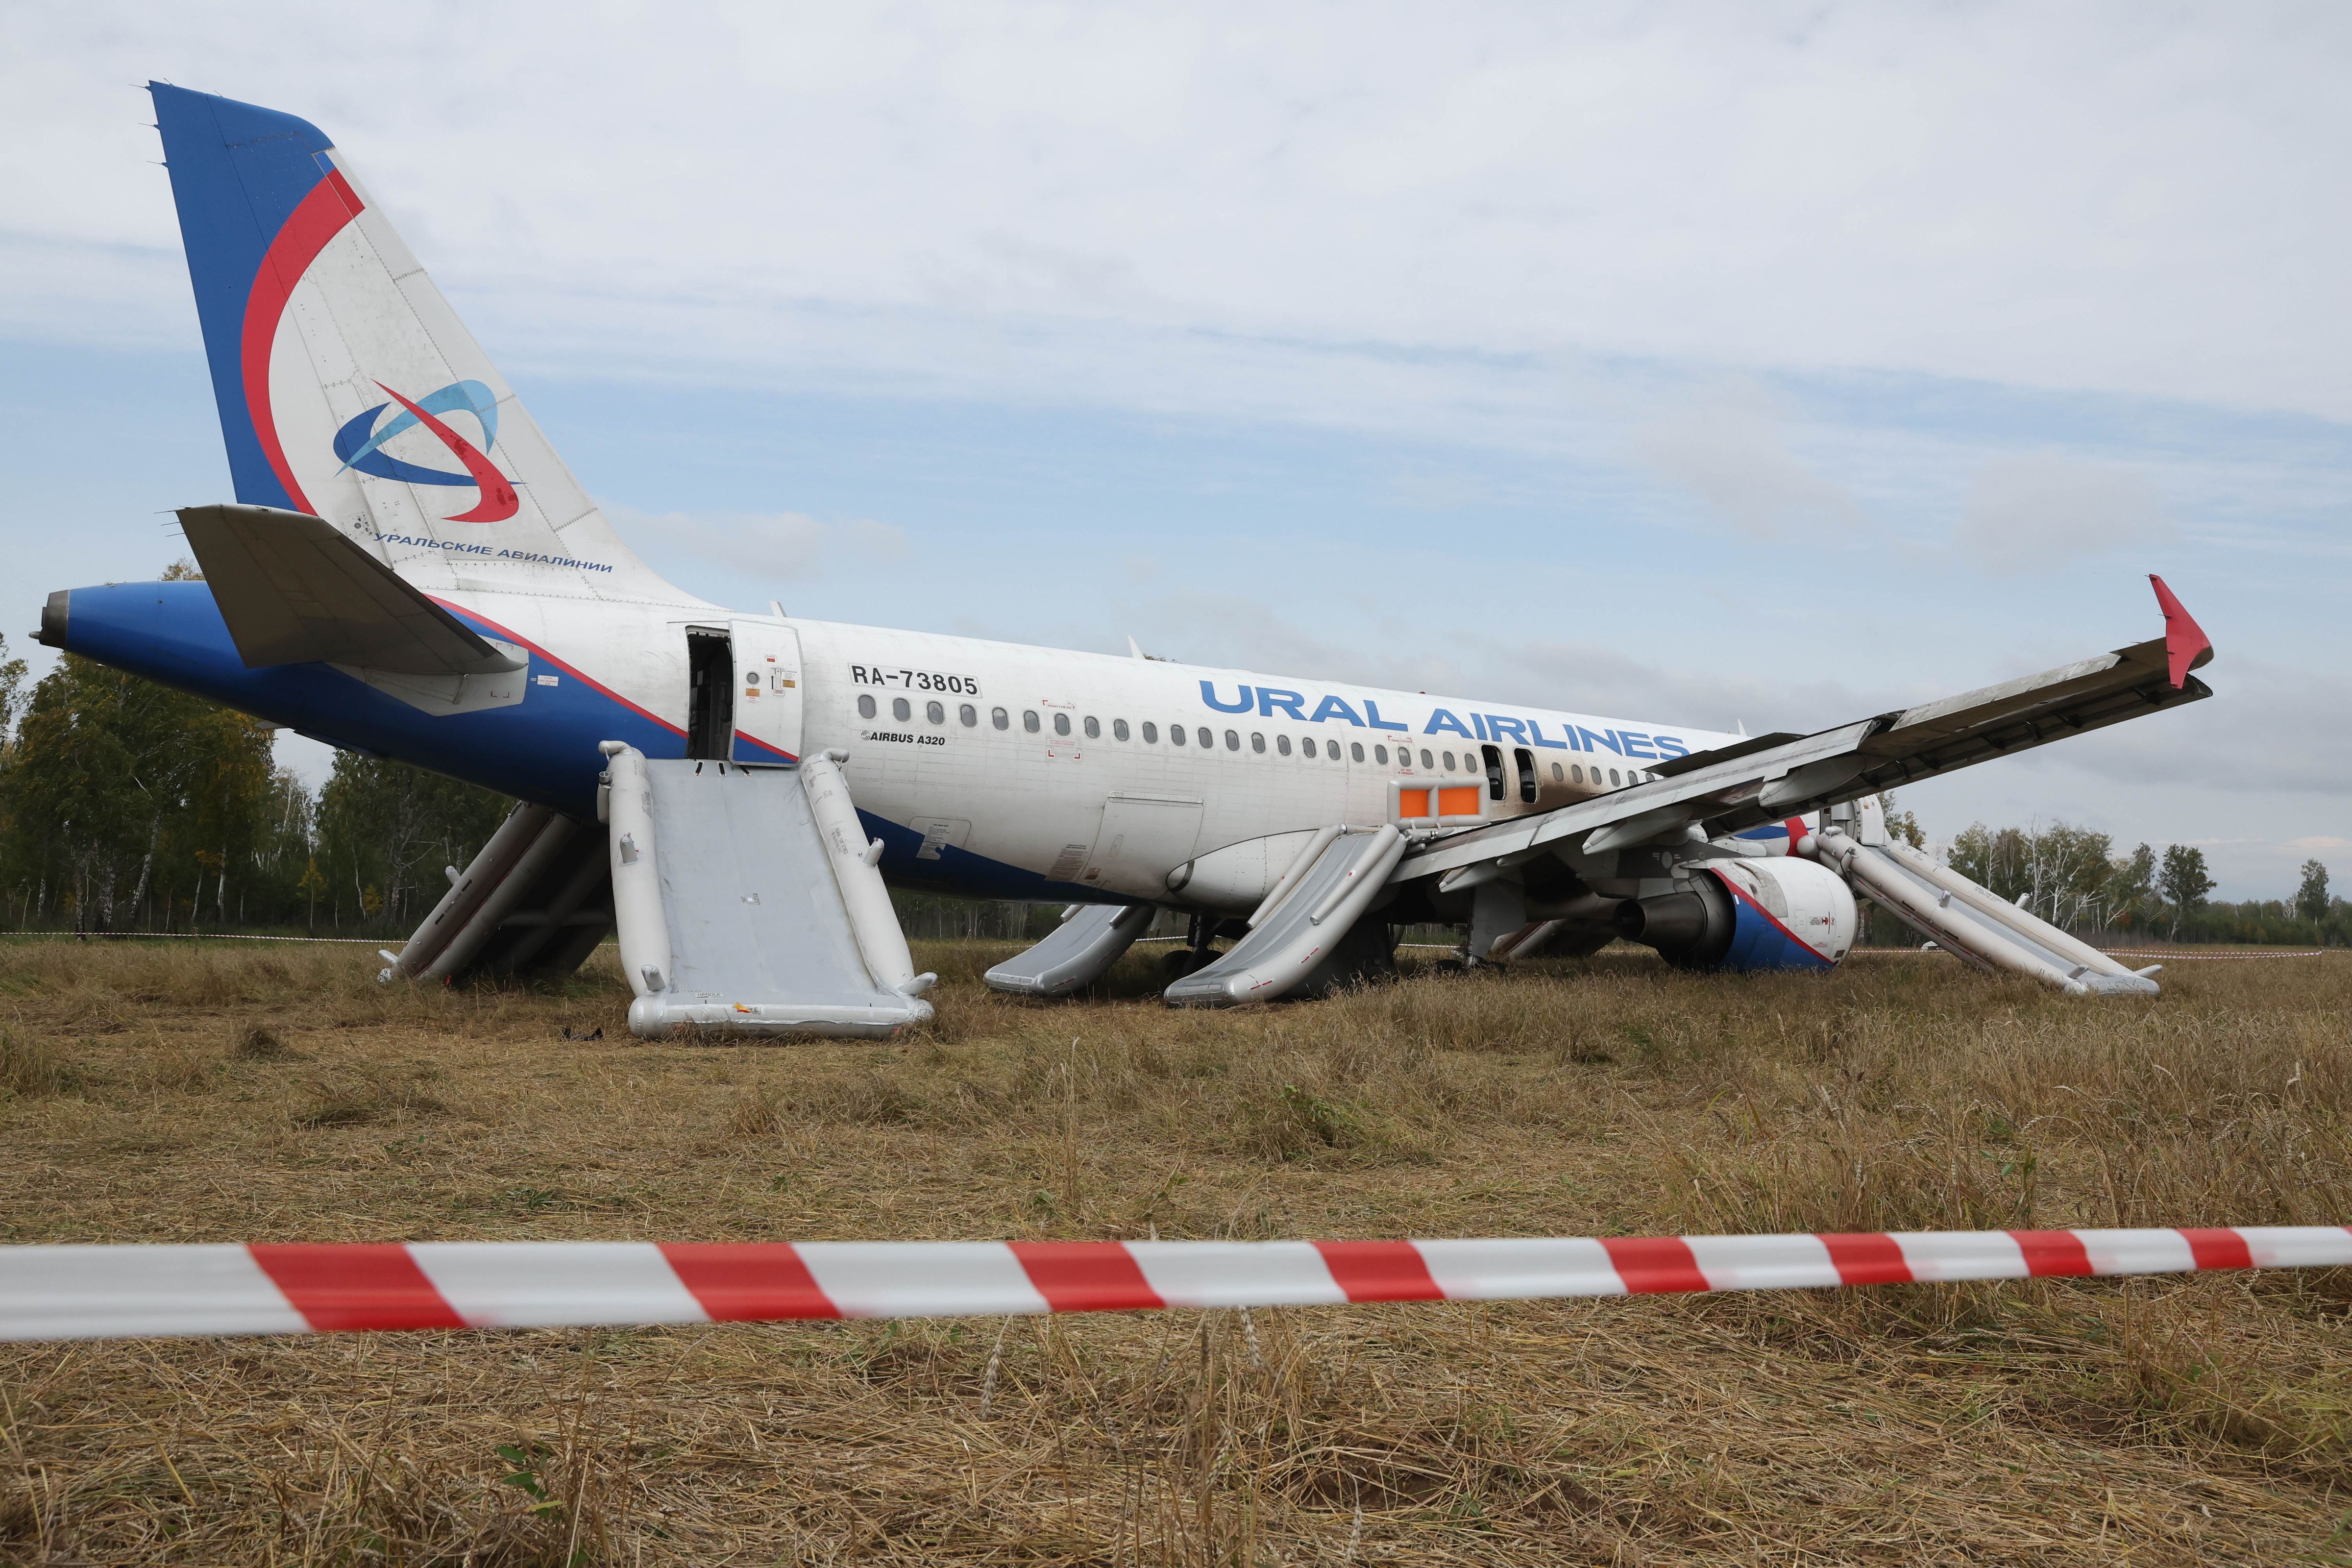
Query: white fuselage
{"type": "Point", "coordinates": [1023, 771]}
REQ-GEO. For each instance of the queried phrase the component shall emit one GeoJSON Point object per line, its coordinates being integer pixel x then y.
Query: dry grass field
{"type": "Point", "coordinates": [257, 1092]}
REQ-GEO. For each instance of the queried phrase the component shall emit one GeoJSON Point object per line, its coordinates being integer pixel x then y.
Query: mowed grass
{"type": "Point", "coordinates": [260, 1091]}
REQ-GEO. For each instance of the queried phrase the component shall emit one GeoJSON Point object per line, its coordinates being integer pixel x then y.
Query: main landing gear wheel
{"type": "Point", "coordinates": [1180, 962]}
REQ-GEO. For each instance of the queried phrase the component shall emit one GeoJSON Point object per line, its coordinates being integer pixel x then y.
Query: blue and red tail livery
{"type": "Point", "coordinates": [348, 388]}
{"type": "Point", "coordinates": [259, 197]}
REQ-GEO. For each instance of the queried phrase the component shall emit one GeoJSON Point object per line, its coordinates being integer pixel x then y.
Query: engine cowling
{"type": "Point", "coordinates": [1747, 915]}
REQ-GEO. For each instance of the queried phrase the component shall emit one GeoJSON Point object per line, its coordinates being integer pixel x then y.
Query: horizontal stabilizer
{"type": "Point", "coordinates": [296, 590]}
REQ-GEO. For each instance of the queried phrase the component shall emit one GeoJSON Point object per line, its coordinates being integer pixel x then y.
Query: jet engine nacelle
{"type": "Point", "coordinates": [1748, 914]}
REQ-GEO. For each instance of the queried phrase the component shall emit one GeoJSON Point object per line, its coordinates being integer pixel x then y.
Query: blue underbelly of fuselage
{"type": "Point", "coordinates": [543, 748]}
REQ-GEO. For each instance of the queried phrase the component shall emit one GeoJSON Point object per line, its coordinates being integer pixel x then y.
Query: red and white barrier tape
{"type": "Point", "coordinates": [103, 1291]}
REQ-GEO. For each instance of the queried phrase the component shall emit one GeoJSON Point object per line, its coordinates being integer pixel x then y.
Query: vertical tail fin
{"type": "Point", "coordinates": [347, 386]}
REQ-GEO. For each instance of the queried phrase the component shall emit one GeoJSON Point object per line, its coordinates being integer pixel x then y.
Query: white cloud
{"type": "Point", "coordinates": [2139, 199]}
{"type": "Point", "coordinates": [765, 547]}
{"type": "Point", "coordinates": [2037, 511]}
{"type": "Point", "coordinates": [1732, 452]}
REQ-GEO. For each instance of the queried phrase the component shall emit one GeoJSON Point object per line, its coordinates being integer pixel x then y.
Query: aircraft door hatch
{"type": "Point", "coordinates": [767, 693]}
{"type": "Point", "coordinates": [709, 694]}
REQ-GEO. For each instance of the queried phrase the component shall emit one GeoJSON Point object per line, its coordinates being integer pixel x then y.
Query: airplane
{"type": "Point", "coordinates": [408, 570]}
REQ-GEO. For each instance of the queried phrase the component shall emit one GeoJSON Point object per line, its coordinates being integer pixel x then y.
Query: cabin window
{"type": "Point", "coordinates": [1150, 733]}
{"type": "Point", "coordinates": [1233, 741]}
{"type": "Point", "coordinates": [1331, 750]}
{"type": "Point", "coordinates": [1094, 728]}
{"type": "Point", "coordinates": [1282, 744]}
{"type": "Point", "coordinates": [1527, 761]}
{"type": "Point", "coordinates": [1029, 719]}
{"type": "Point", "coordinates": [998, 717]}
{"type": "Point", "coordinates": [935, 713]}
{"type": "Point", "coordinates": [1175, 734]}
{"type": "Point", "coordinates": [969, 715]}
{"type": "Point", "coordinates": [1206, 739]}
{"type": "Point", "coordinates": [1061, 723]}
{"type": "Point", "coordinates": [1557, 776]}
{"type": "Point", "coordinates": [1447, 757]}
{"type": "Point", "coordinates": [1257, 742]}
{"type": "Point", "coordinates": [1307, 749]}
{"type": "Point", "coordinates": [1381, 755]}
{"type": "Point", "coordinates": [1426, 761]}
{"type": "Point", "coordinates": [1118, 729]}
{"type": "Point", "coordinates": [865, 706]}
{"type": "Point", "coordinates": [1612, 775]}
{"type": "Point", "coordinates": [900, 711]}
{"type": "Point", "coordinates": [1576, 771]}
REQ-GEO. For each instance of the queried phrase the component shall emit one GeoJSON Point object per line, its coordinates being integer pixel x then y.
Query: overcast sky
{"type": "Point", "coordinates": [1715, 363]}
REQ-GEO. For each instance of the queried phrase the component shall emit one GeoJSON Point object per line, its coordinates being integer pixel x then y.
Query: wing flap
{"type": "Point", "coordinates": [294, 590]}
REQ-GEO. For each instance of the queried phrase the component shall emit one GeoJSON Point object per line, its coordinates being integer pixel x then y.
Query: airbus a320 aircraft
{"type": "Point", "coordinates": [408, 570]}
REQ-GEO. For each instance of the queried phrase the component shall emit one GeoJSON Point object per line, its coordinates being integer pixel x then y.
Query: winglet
{"type": "Point", "coordinates": [2185, 642]}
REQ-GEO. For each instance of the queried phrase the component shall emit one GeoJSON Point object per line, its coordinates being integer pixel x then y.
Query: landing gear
{"type": "Point", "coordinates": [1178, 963]}
{"type": "Point", "coordinates": [1196, 952]}
{"type": "Point", "coordinates": [1200, 951]}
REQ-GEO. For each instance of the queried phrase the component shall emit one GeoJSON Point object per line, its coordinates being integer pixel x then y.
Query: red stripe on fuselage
{"type": "Point", "coordinates": [587, 681]}
{"type": "Point", "coordinates": [755, 741]}
{"type": "Point", "coordinates": [318, 218]}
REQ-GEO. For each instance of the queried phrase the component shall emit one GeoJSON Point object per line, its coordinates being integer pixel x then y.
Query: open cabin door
{"type": "Point", "coordinates": [767, 693]}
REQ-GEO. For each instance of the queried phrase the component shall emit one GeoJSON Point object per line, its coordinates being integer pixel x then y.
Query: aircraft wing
{"type": "Point", "coordinates": [1773, 777]}
{"type": "Point", "coordinates": [295, 590]}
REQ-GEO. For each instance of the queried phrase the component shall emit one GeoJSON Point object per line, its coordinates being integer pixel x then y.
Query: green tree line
{"type": "Point", "coordinates": [127, 806]}
{"type": "Point", "coordinates": [2078, 880]}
